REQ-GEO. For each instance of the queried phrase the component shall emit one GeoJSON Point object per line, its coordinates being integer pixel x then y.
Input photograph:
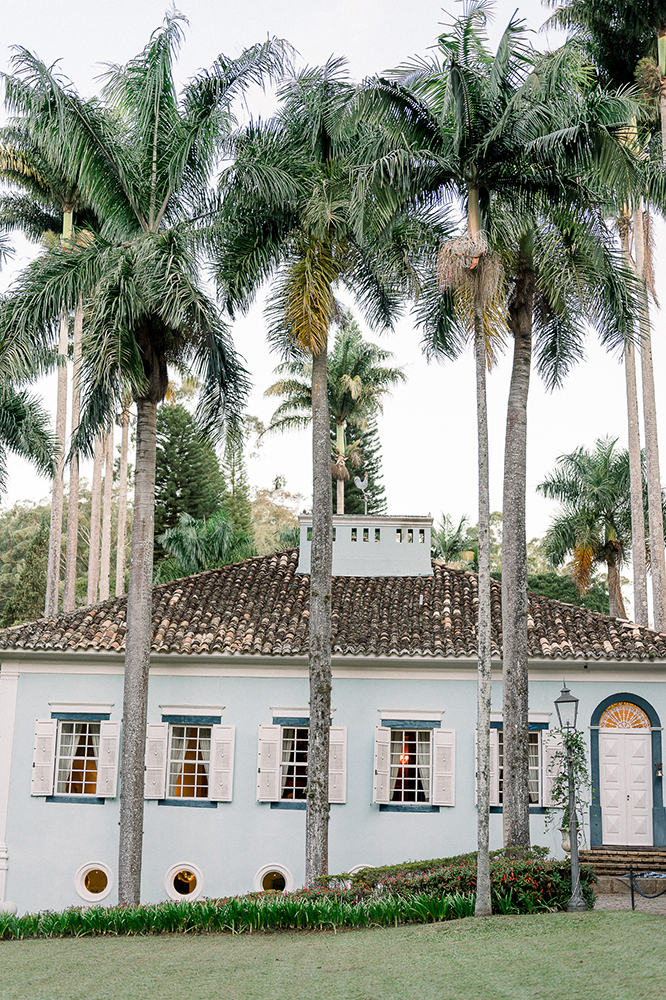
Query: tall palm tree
{"type": "Point", "coordinates": [357, 380]}
{"type": "Point", "coordinates": [594, 522]}
{"type": "Point", "coordinates": [290, 215]}
{"type": "Point", "coordinates": [620, 37]}
{"type": "Point", "coordinates": [145, 155]}
{"type": "Point", "coordinates": [511, 140]}
{"type": "Point", "coordinates": [50, 202]}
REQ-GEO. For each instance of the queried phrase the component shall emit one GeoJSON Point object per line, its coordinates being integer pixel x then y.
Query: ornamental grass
{"type": "Point", "coordinates": [320, 910]}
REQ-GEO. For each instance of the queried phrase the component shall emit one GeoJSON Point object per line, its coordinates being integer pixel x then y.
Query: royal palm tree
{"type": "Point", "coordinates": [291, 215]}
{"type": "Point", "coordinates": [622, 37]}
{"type": "Point", "coordinates": [357, 381]}
{"type": "Point", "coordinates": [144, 156]}
{"type": "Point", "coordinates": [49, 203]}
{"type": "Point", "coordinates": [510, 139]}
{"type": "Point", "coordinates": [593, 525]}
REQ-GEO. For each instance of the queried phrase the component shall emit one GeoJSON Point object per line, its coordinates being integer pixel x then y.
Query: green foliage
{"type": "Point", "coordinates": [27, 602]}
{"type": "Point", "coordinates": [194, 546]}
{"type": "Point", "coordinates": [573, 745]}
{"type": "Point", "coordinates": [562, 587]}
{"type": "Point", "coordinates": [188, 478]}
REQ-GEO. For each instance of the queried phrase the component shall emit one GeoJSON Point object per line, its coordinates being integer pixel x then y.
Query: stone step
{"type": "Point", "coordinates": [617, 861]}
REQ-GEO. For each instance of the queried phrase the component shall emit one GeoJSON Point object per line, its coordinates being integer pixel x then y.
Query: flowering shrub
{"type": "Point", "coordinates": [522, 882]}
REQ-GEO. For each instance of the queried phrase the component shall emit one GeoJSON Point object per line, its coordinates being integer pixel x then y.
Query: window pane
{"type": "Point", "coordinates": [189, 762]}
{"type": "Point", "coordinates": [78, 751]}
{"type": "Point", "coordinates": [294, 776]}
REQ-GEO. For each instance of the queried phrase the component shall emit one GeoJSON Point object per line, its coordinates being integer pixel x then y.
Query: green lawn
{"type": "Point", "coordinates": [603, 956]}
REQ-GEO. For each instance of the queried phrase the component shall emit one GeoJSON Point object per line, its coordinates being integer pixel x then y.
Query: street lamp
{"type": "Point", "coordinates": [567, 713]}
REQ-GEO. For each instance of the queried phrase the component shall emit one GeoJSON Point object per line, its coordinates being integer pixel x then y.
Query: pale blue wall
{"type": "Point", "coordinates": [48, 841]}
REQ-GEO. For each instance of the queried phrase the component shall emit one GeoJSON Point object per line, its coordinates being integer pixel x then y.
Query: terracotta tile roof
{"type": "Point", "coordinates": [261, 606]}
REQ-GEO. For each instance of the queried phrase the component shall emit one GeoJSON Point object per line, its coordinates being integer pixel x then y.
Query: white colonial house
{"type": "Point", "coordinates": [227, 735]}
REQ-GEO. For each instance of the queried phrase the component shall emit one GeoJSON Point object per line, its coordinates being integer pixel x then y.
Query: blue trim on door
{"type": "Point", "coordinates": [658, 811]}
{"type": "Point", "coordinates": [279, 720]}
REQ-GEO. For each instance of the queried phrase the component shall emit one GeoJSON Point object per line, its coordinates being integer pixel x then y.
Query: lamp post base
{"type": "Point", "coordinates": [576, 904]}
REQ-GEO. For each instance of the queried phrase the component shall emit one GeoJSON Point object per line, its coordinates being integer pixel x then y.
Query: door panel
{"type": "Point", "coordinates": [625, 774]}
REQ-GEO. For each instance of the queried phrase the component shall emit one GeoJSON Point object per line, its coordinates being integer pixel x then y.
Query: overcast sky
{"type": "Point", "coordinates": [428, 429]}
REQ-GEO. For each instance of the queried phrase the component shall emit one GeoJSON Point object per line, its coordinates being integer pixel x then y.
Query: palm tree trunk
{"type": "Point", "coordinates": [615, 589]}
{"type": "Point", "coordinates": [655, 516]}
{"type": "Point", "coordinates": [137, 658]}
{"type": "Point", "coordinates": [316, 819]}
{"type": "Point", "coordinates": [122, 506]}
{"type": "Point", "coordinates": [95, 512]}
{"type": "Point", "coordinates": [57, 495]}
{"type": "Point", "coordinates": [635, 467]}
{"type": "Point", "coordinates": [483, 905]}
{"type": "Point", "coordinates": [516, 801]}
{"type": "Point", "coordinates": [105, 563]}
{"type": "Point", "coordinates": [71, 549]}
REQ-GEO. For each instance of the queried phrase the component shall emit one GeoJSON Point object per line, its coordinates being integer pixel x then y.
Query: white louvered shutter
{"type": "Point", "coordinates": [550, 744]}
{"type": "Point", "coordinates": [43, 757]}
{"type": "Point", "coordinates": [157, 738]}
{"type": "Point", "coordinates": [337, 764]}
{"type": "Point", "coordinates": [268, 764]}
{"type": "Point", "coordinates": [381, 785]}
{"type": "Point", "coordinates": [221, 777]}
{"type": "Point", "coordinates": [107, 764]}
{"type": "Point", "coordinates": [494, 767]}
{"type": "Point", "coordinates": [443, 769]}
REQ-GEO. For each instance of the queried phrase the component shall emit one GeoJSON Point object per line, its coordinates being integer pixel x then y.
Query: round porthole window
{"type": "Point", "coordinates": [273, 878]}
{"type": "Point", "coordinates": [183, 882]}
{"type": "Point", "coordinates": [93, 882]}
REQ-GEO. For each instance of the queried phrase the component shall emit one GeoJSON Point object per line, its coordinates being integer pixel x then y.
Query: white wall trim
{"type": "Point", "coordinates": [532, 716]}
{"type": "Point", "coordinates": [9, 676]}
{"type": "Point", "coordinates": [410, 713]}
{"type": "Point", "coordinates": [94, 707]}
{"type": "Point", "coordinates": [291, 712]}
{"type": "Point", "coordinates": [192, 709]}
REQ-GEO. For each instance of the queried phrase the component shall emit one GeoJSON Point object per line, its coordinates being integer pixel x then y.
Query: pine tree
{"type": "Point", "coordinates": [236, 500]}
{"type": "Point", "coordinates": [188, 478]}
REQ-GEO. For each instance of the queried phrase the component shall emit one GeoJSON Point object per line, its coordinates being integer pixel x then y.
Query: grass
{"type": "Point", "coordinates": [617, 956]}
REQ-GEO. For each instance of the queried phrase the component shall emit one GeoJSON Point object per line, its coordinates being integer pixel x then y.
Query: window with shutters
{"type": "Point", "coordinates": [76, 757]}
{"type": "Point", "coordinates": [414, 766]}
{"type": "Point", "coordinates": [542, 747]}
{"type": "Point", "coordinates": [282, 765]}
{"type": "Point", "coordinates": [189, 762]}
